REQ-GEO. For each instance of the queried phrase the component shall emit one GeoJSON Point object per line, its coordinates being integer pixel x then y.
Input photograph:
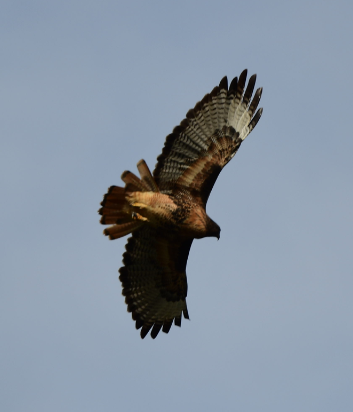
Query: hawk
{"type": "Point", "coordinates": [165, 211]}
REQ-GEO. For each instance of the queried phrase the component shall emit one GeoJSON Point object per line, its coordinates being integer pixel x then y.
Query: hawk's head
{"type": "Point", "coordinates": [213, 230]}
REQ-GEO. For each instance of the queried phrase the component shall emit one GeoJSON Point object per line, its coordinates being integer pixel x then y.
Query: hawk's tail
{"type": "Point", "coordinates": [116, 210]}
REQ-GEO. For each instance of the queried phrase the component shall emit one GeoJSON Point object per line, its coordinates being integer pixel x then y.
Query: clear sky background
{"type": "Point", "coordinates": [88, 88]}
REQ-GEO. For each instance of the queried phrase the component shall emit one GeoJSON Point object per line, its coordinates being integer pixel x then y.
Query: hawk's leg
{"type": "Point", "coordinates": [139, 205]}
{"type": "Point", "coordinates": [137, 216]}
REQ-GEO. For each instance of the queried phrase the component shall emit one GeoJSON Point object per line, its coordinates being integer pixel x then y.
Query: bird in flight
{"type": "Point", "coordinates": [165, 211]}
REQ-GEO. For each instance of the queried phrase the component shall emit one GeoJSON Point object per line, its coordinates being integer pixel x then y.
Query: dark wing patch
{"type": "Point", "coordinates": [192, 139]}
{"type": "Point", "coordinates": [154, 279]}
{"type": "Point", "coordinates": [199, 178]}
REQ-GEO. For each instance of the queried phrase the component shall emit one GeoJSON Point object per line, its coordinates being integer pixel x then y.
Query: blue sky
{"type": "Point", "coordinates": [89, 88]}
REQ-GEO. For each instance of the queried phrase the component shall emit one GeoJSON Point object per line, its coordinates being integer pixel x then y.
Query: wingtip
{"type": "Point", "coordinates": [244, 73]}
{"type": "Point", "coordinates": [223, 84]}
{"type": "Point", "coordinates": [177, 321]}
{"type": "Point", "coordinates": [155, 330]}
{"type": "Point", "coordinates": [166, 326]}
{"type": "Point", "coordinates": [144, 331]}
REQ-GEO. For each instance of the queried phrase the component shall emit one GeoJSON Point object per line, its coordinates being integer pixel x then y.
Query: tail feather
{"type": "Point", "coordinates": [114, 198]}
{"type": "Point", "coordinates": [116, 209]}
{"type": "Point", "coordinates": [111, 216]}
{"type": "Point", "coordinates": [146, 176]}
{"type": "Point", "coordinates": [116, 231]}
{"type": "Point", "coordinates": [116, 191]}
{"type": "Point", "coordinates": [132, 182]}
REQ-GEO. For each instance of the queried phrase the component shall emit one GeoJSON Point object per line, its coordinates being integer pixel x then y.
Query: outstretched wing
{"type": "Point", "coordinates": [154, 279]}
{"type": "Point", "coordinates": [210, 135]}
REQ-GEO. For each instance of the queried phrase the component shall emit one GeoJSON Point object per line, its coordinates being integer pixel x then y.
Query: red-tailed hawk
{"type": "Point", "coordinates": [166, 211]}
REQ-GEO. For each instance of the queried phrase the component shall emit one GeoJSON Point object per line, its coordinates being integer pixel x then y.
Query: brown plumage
{"type": "Point", "coordinates": [166, 211]}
